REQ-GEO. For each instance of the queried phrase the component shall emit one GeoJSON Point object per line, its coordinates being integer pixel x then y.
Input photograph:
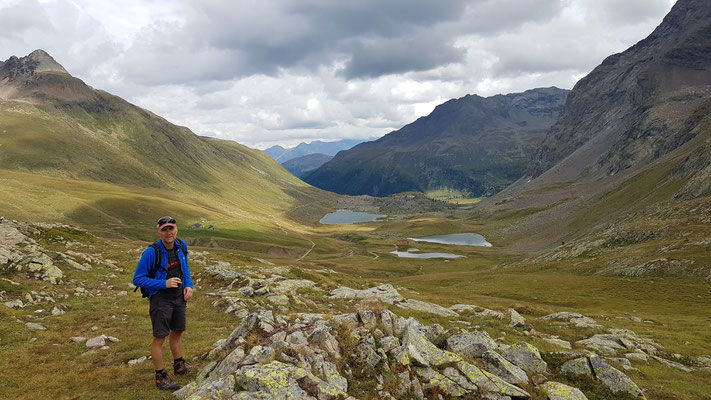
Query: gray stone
{"type": "Point", "coordinates": [57, 311]}
{"type": "Point", "coordinates": [614, 379]}
{"type": "Point", "coordinates": [347, 321]}
{"type": "Point", "coordinates": [578, 366]}
{"type": "Point", "coordinates": [297, 338]}
{"type": "Point", "coordinates": [516, 319]}
{"type": "Point", "coordinates": [472, 345]}
{"type": "Point", "coordinates": [323, 339]}
{"type": "Point", "coordinates": [432, 378]}
{"type": "Point", "coordinates": [559, 342]}
{"type": "Point", "coordinates": [423, 351]}
{"type": "Point", "coordinates": [476, 311]}
{"type": "Point", "coordinates": [383, 293]}
{"type": "Point", "coordinates": [290, 286]}
{"type": "Point", "coordinates": [229, 364]}
{"type": "Point", "coordinates": [17, 304]}
{"type": "Point", "coordinates": [504, 369]}
{"type": "Point", "coordinates": [637, 356]}
{"type": "Point", "coordinates": [278, 299]}
{"type": "Point", "coordinates": [35, 326]}
{"type": "Point", "coordinates": [606, 344]}
{"type": "Point", "coordinates": [367, 318]}
{"type": "Point", "coordinates": [246, 291]}
{"type": "Point", "coordinates": [527, 357]}
{"type": "Point", "coordinates": [672, 364]}
{"type": "Point", "coordinates": [559, 391]}
{"type": "Point", "coordinates": [426, 307]}
{"type": "Point", "coordinates": [77, 339]}
{"type": "Point", "coordinates": [259, 354]}
{"type": "Point", "coordinates": [389, 343]}
{"type": "Point", "coordinates": [96, 342]}
{"type": "Point", "coordinates": [137, 360]}
{"type": "Point", "coordinates": [488, 383]}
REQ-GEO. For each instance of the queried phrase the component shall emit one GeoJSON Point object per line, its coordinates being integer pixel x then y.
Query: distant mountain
{"type": "Point", "coordinates": [476, 144]}
{"type": "Point", "coordinates": [303, 165]}
{"type": "Point", "coordinates": [637, 105]}
{"type": "Point", "coordinates": [302, 149]}
{"type": "Point", "coordinates": [54, 125]}
{"type": "Point", "coordinates": [630, 155]}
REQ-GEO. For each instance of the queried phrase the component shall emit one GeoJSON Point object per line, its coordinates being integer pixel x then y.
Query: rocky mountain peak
{"type": "Point", "coordinates": [636, 106]}
{"type": "Point", "coordinates": [37, 61]}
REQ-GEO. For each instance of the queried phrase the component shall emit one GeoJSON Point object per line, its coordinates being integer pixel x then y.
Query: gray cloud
{"type": "Point", "coordinates": [279, 71]}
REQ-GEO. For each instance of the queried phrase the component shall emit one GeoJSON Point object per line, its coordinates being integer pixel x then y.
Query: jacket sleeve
{"type": "Point", "coordinates": [140, 277]}
{"type": "Point", "coordinates": [187, 280]}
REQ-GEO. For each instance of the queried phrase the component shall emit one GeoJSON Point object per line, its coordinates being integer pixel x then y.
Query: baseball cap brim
{"type": "Point", "coordinates": [167, 224]}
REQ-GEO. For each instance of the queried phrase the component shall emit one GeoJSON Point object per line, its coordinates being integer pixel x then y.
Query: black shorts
{"type": "Point", "coordinates": [167, 314]}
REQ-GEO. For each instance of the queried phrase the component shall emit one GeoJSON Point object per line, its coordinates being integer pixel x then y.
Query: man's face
{"type": "Point", "coordinates": [168, 234]}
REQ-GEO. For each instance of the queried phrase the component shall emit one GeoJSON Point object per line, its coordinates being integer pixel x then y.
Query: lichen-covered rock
{"type": "Point", "coordinates": [578, 366]}
{"type": "Point", "coordinates": [607, 344]}
{"type": "Point", "coordinates": [368, 319]}
{"type": "Point", "coordinates": [423, 351]}
{"type": "Point", "coordinates": [426, 307]}
{"type": "Point", "coordinates": [504, 369]}
{"type": "Point", "coordinates": [472, 344]}
{"type": "Point", "coordinates": [432, 378]}
{"type": "Point", "coordinates": [42, 267]}
{"type": "Point", "coordinates": [290, 286]}
{"type": "Point", "coordinates": [559, 391]}
{"type": "Point", "coordinates": [527, 357]}
{"type": "Point", "coordinates": [490, 383]}
{"type": "Point", "coordinates": [614, 379]}
{"type": "Point", "coordinates": [579, 320]}
{"type": "Point", "coordinates": [476, 311]}
{"type": "Point", "coordinates": [558, 342]}
{"type": "Point", "coordinates": [516, 319]}
{"type": "Point", "coordinates": [384, 293]}
{"type": "Point", "coordinates": [323, 339]}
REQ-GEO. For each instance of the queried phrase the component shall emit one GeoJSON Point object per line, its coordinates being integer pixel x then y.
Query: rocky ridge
{"type": "Point", "coordinates": [302, 337]}
{"type": "Point", "coordinates": [280, 350]}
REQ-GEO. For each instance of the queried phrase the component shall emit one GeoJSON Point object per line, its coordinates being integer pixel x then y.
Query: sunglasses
{"type": "Point", "coordinates": [165, 220]}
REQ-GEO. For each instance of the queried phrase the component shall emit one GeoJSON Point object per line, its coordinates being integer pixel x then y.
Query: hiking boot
{"type": "Point", "coordinates": [163, 382]}
{"type": "Point", "coordinates": [179, 367]}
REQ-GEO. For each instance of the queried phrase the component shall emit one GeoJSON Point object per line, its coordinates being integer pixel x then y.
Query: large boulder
{"type": "Point", "coordinates": [614, 379]}
{"type": "Point", "coordinates": [472, 344]}
{"type": "Point", "coordinates": [559, 391]}
{"type": "Point", "coordinates": [426, 307]}
{"type": "Point", "coordinates": [504, 369]}
{"type": "Point", "coordinates": [383, 293]}
{"type": "Point", "coordinates": [527, 357]}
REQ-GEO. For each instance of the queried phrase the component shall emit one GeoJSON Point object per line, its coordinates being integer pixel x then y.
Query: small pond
{"type": "Point", "coordinates": [410, 253]}
{"type": "Point", "coordinates": [347, 217]}
{"type": "Point", "coordinates": [459, 239]}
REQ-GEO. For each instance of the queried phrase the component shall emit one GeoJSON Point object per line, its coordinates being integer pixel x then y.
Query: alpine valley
{"type": "Point", "coordinates": [592, 279]}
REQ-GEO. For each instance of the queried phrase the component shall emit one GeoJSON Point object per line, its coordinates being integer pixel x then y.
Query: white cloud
{"type": "Point", "coordinates": [283, 71]}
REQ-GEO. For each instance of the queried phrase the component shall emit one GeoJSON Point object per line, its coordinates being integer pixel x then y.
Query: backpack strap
{"type": "Point", "coordinates": [182, 245]}
{"type": "Point", "coordinates": [157, 264]}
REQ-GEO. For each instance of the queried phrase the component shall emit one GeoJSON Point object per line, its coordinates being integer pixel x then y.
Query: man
{"type": "Point", "coordinates": [169, 288]}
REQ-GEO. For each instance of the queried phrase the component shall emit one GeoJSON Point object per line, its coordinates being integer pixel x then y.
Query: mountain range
{"type": "Point", "coordinates": [56, 126]}
{"type": "Point", "coordinates": [473, 144]}
{"type": "Point", "coordinates": [283, 155]}
{"type": "Point", "coordinates": [630, 153]}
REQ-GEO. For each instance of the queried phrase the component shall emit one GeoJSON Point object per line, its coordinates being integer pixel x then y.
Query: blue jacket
{"type": "Point", "coordinates": [148, 259]}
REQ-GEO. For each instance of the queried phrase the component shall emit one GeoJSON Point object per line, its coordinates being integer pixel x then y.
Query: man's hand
{"type": "Point", "coordinates": [173, 282]}
{"type": "Point", "coordinates": [187, 293]}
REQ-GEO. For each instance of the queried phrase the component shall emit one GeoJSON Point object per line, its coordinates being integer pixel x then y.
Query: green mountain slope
{"type": "Point", "coordinates": [623, 176]}
{"type": "Point", "coordinates": [478, 145]}
{"type": "Point", "coordinates": [54, 125]}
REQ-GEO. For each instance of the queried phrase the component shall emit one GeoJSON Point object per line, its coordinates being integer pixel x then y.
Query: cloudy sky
{"type": "Point", "coordinates": [266, 72]}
